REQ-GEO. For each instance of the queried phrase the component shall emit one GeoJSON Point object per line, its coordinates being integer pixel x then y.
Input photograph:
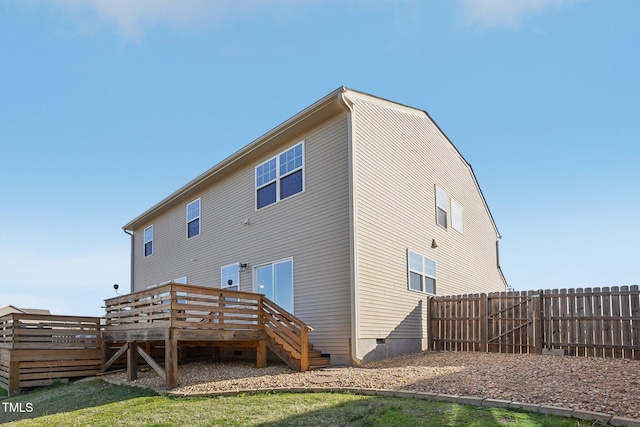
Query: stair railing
{"type": "Point", "coordinates": [291, 333]}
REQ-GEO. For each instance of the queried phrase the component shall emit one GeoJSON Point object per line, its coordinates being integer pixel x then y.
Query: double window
{"type": "Point", "coordinates": [193, 219]}
{"type": "Point", "coordinates": [280, 177]}
{"type": "Point", "coordinates": [148, 241]}
{"type": "Point", "coordinates": [422, 273]}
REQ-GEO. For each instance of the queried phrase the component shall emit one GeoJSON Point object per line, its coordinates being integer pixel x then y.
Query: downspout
{"type": "Point", "coordinates": [504, 279]}
{"type": "Point", "coordinates": [353, 235]}
{"type": "Point", "coordinates": [131, 279]}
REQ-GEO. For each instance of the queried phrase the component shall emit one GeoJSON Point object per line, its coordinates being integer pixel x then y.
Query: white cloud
{"type": "Point", "coordinates": [505, 13]}
{"type": "Point", "coordinates": [132, 19]}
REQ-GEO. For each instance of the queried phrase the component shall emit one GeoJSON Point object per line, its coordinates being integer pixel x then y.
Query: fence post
{"type": "Point", "coordinates": [538, 323]}
{"type": "Point", "coordinates": [14, 377]}
{"type": "Point", "coordinates": [484, 323]}
{"type": "Point", "coordinates": [428, 325]}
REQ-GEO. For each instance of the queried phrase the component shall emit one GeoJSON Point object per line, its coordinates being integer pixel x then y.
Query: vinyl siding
{"type": "Point", "coordinates": [312, 227]}
{"type": "Point", "coordinates": [399, 156]}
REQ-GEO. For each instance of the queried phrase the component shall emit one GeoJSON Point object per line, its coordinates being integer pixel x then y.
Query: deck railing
{"type": "Point", "coordinates": [184, 306]}
{"type": "Point", "coordinates": [226, 314]}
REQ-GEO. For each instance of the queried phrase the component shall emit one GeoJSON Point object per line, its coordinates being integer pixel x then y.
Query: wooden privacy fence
{"type": "Point", "coordinates": [601, 322]}
{"type": "Point", "coordinates": [37, 349]}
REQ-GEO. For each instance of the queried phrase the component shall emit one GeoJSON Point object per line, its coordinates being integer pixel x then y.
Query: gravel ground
{"type": "Point", "coordinates": [602, 385]}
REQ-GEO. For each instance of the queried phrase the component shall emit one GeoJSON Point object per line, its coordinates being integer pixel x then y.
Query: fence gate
{"type": "Point", "coordinates": [513, 322]}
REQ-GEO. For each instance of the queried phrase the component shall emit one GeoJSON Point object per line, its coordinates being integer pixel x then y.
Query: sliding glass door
{"type": "Point", "coordinates": [275, 281]}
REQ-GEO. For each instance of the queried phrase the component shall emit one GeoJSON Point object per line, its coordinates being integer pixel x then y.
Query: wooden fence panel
{"type": "Point", "coordinates": [581, 322]}
{"type": "Point", "coordinates": [37, 349]}
{"type": "Point", "coordinates": [455, 323]}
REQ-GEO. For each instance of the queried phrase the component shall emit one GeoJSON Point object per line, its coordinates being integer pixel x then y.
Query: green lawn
{"type": "Point", "coordinates": [96, 403]}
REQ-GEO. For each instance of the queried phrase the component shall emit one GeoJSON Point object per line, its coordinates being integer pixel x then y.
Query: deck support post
{"type": "Point", "coordinates": [171, 360]}
{"type": "Point", "coordinates": [132, 361]}
{"type": "Point", "coordinates": [261, 354]}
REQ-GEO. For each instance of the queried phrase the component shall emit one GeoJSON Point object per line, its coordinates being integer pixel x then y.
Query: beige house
{"type": "Point", "coordinates": [349, 214]}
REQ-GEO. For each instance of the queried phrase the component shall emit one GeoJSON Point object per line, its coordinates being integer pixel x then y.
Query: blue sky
{"type": "Point", "coordinates": [108, 107]}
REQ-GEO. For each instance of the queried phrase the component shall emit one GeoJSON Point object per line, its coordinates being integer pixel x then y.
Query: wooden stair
{"type": "Point", "coordinates": [317, 359]}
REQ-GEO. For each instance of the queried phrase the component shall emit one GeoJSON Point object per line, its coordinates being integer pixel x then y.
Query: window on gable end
{"type": "Point", "coordinates": [441, 207]}
{"type": "Point", "coordinates": [421, 273]}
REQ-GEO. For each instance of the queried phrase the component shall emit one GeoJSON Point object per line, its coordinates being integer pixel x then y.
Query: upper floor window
{"type": "Point", "coordinates": [148, 240]}
{"type": "Point", "coordinates": [441, 207]}
{"type": "Point", "coordinates": [422, 273]}
{"type": "Point", "coordinates": [280, 177]}
{"type": "Point", "coordinates": [230, 277]}
{"type": "Point", "coordinates": [193, 219]}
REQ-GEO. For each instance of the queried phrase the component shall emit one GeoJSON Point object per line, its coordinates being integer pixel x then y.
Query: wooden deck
{"type": "Point", "coordinates": [186, 315]}
{"type": "Point", "coordinates": [35, 349]}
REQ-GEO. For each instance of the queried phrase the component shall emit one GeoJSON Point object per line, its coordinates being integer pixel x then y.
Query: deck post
{"type": "Point", "coordinates": [132, 361]}
{"type": "Point", "coordinates": [261, 354]}
{"type": "Point", "coordinates": [171, 360]}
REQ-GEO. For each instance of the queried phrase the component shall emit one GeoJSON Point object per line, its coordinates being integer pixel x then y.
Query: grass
{"type": "Point", "coordinates": [97, 403]}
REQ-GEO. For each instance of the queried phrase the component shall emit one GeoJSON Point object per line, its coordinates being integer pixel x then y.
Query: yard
{"type": "Point", "coordinates": [97, 403]}
{"type": "Point", "coordinates": [609, 386]}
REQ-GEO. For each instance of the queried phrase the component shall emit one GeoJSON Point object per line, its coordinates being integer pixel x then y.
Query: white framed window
{"type": "Point", "coordinates": [421, 273]}
{"type": "Point", "coordinates": [280, 177]}
{"type": "Point", "coordinates": [275, 281]}
{"type": "Point", "coordinates": [441, 207]}
{"type": "Point", "coordinates": [148, 241]}
{"type": "Point", "coordinates": [193, 218]}
{"type": "Point", "coordinates": [230, 277]}
{"type": "Point", "coordinates": [456, 217]}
